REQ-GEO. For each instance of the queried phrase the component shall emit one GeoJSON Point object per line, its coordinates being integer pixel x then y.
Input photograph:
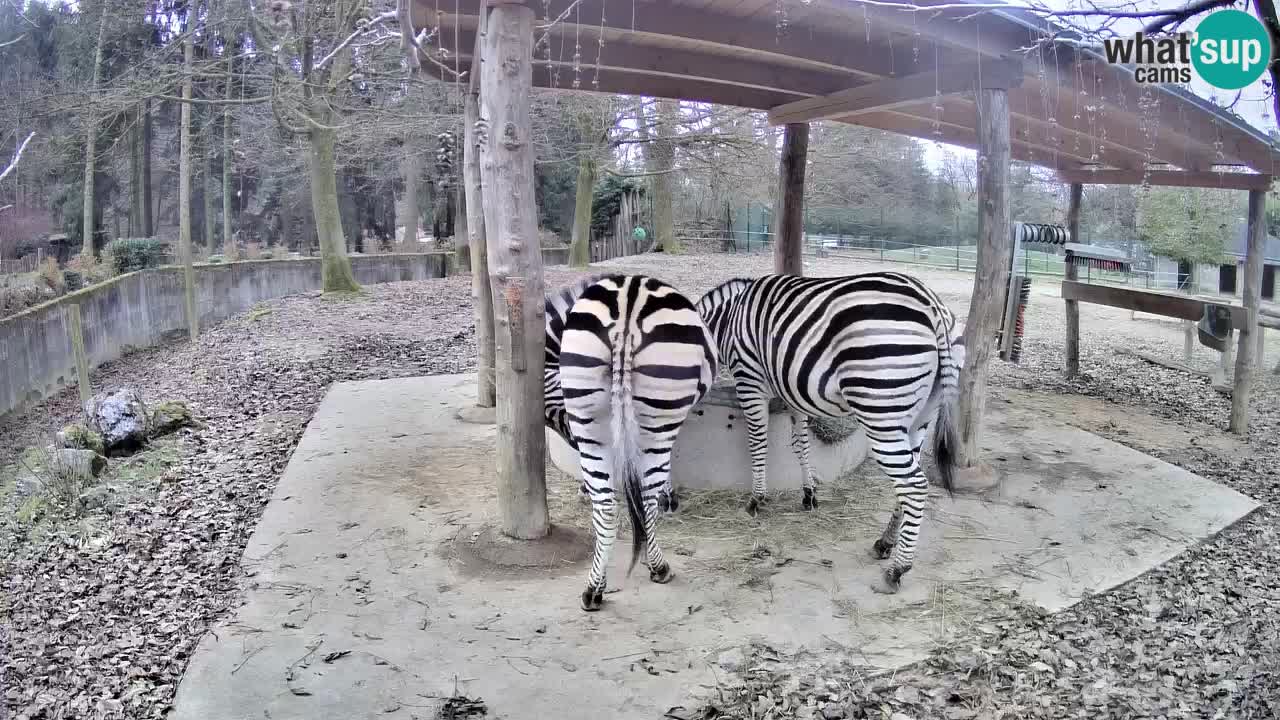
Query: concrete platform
{"type": "Point", "coordinates": [360, 604]}
{"type": "Point", "coordinates": [712, 451]}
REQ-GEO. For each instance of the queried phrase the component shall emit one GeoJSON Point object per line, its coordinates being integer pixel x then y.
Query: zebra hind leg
{"type": "Point", "coordinates": [659, 569]}
{"type": "Point", "coordinates": [604, 521]}
{"type": "Point", "coordinates": [884, 544]}
{"type": "Point", "coordinates": [800, 445]}
{"type": "Point", "coordinates": [902, 465]}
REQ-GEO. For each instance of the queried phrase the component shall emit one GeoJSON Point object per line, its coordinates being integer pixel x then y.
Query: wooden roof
{"type": "Point", "coordinates": [889, 68]}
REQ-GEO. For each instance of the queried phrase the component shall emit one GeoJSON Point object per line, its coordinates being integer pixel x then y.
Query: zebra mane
{"type": "Point", "coordinates": [564, 296]}
{"type": "Point", "coordinates": [722, 294]}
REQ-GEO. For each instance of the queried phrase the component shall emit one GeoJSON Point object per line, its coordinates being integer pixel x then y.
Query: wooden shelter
{"type": "Point", "coordinates": [1005, 82]}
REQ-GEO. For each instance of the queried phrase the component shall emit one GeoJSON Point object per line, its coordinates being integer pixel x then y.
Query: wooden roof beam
{"type": "Point", "coordinates": [964, 136]}
{"type": "Point", "coordinates": [1171, 178]}
{"type": "Point", "coordinates": [897, 92]}
{"type": "Point", "coordinates": [693, 27]}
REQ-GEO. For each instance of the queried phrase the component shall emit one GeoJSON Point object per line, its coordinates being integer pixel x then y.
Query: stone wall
{"type": "Point", "coordinates": [141, 309]}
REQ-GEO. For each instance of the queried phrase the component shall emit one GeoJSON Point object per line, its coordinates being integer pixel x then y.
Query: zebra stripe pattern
{"type": "Point", "coordinates": [557, 304]}
{"type": "Point", "coordinates": [879, 346]}
{"type": "Point", "coordinates": [634, 359]}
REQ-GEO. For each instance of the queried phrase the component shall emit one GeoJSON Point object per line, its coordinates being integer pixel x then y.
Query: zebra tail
{"type": "Point", "coordinates": [626, 455]}
{"type": "Point", "coordinates": [945, 439]}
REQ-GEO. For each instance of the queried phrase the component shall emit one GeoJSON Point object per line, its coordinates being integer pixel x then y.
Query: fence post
{"type": "Point", "coordinates": [75, 330]}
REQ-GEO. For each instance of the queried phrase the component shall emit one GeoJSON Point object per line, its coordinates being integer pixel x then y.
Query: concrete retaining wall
{"type": "Point", "coordinates": [141, 309]}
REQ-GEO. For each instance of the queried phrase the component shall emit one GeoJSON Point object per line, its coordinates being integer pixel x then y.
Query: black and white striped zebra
{"type": "Point", "coordinates": [557, 304]}
{"type": "Point", "coordinates": [634, 358]}
{"type": "Point", "coordinates": [879, 346]}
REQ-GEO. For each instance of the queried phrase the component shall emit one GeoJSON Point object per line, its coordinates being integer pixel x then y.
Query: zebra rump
{"type": "Point", "coordinates": [557, 303]}
{"type": "Point", "coordinates": [634, 358]}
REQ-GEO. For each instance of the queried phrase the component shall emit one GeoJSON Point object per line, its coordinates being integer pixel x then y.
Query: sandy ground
{"type": "Point", "coordinates": [99, 615]}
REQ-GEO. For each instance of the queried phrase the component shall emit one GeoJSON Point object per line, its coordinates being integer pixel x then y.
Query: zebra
{"type": "Point", "coordinates": [634, 358]}
{"type": "Point", "coordinates": [880, 346]}
{"type": "Point", "coordinates": [558, 303]}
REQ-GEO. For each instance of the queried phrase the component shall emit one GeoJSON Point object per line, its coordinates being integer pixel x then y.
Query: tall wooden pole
{"type": "Point", "coordinates": [184, 195]}
{"type": "Point", "coordinates": [515, 267]}
{"type": "Point", "coordinates": [788, 251]}
{"type": "Point", "coordinates": [995, 244]}
{"type": "Point", "coordinates": [481, 291]}
{"type": "Point", "coordinates": [1252, 297]}
{"type": "Point", "coordinates": [1073, 273]}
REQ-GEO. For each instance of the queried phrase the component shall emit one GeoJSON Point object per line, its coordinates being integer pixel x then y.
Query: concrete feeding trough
{"type": "Point", "coordinates": [712, 453]}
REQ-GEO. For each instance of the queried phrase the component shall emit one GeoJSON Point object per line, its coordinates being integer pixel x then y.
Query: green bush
{"type": "Point", "coordinates": [130, 254]}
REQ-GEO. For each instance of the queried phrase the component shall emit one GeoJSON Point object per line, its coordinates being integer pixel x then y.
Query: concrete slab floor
{"type": "Point", "coordinates": [359, 607]}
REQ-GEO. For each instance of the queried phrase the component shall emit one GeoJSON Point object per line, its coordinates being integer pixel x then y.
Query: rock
{"type": "Point", "coordinates": [96, 497]}
{"type": "Point", "coordinates": [73, 463]}
{"type": "Point", "coordinates": [78, 436]}
{"type": "Point", "coordinates": [168, 416]}
{"type": "Point", "coordinates": [28, 484]}
{"type": "Point", "coordinates": [120, 418]}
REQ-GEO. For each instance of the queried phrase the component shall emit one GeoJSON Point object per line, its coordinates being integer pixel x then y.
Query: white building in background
{"type": "Point", "coordinates": [1225, 279]}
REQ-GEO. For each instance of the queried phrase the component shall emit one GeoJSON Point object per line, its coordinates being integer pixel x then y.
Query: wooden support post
{"type": "Point", "coordinates": [1252, 297]}
{"type": "Point", "coordinates": [515, 267]}
{"type": "Point", "coordinates": [788, 252]}
{"type": "Point", "coordinates": [1073, 273]}
{"type": "Point", "coordinates": [75, 331]}
{"type": "Point", "coordinates": [1188, 341]}
{"type": "Point", "coordinates": [995, 243]}
{"type": "Point", "coordinates": [481, 292]}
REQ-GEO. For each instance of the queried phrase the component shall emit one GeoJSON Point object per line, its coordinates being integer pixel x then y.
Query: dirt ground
{"type": "Point", "coordinates": [100, 614]}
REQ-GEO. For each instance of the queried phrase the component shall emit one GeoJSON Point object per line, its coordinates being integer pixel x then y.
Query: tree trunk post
{"type": "Point", "coordinates": [788, 251]}
{"type": "Point", "coordinates": [1252, 297]}
{"type": "Point", "coordinates": [481, 290]}
{"type": "Point", "coordinates": [515, 266]}
{"type": "Point", "coordinates": [184, 196]}
{"type": "Point", "coordinates": [91, 144]}
{"type": "Point", "coordinates": [227, 161]}
{"type": "Point", "coordinates": [1073, 273]}
{"type": "Point", "coordinates": [148, 208]}
{"type": "Point", "coordinates": [995, 243]}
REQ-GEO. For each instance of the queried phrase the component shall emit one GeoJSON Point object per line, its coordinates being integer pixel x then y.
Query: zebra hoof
{"type": "Point", "coordinates": [881, 549]}
{"type": "Point", "coordinates": [592, 599]}
{"type": "Point", "coordinates": [810, 501]}
{"type": "Point", "coordinates": [890, 581]}
{"type": "Point", "coordinates": [668, 502]}
{"type": "Point", "coordinates": [662, 575]}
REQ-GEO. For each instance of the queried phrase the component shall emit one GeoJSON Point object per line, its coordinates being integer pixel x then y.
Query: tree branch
{"type": "Point", "coordinates": [14, 41]}
{"type": "Point", "coordinates": [1178, 16]}
{"type": "Point", "coordinates": [16, 157]}
{"type": "Point", "coordinates": [365, 27]}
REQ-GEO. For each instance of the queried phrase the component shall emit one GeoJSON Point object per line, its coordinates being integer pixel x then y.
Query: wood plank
{"type": "Point", "coordinates": [1251, 296]}
{"type": "Point", "coordinates": [923, 127]}
{"type": "Point", "coordinates": [1148, 301]}
{"type": "Point", "coordinates": [788, 251]}
{"type": "Point", "coordinates": [706, 27]}
{"type": "Point", "coordinates": [515, 267]}
{"type": "Point", "coordinates": [1171, 178]}
{"type": "Point", "coordinates": [1072, 273]}
{"type": "Point", "coordinates": [991, 278]}
{"type": "Point", "coordinates": [896, 92]}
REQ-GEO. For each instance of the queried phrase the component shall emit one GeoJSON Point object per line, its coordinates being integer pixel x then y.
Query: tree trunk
{"type": "Point", "coordinates": [515, 260]}
{"type": "Point", "coordinates": [136, 207]}
{"type": "Point", "coordinates": [411, 166]}
{"type": "Point", "coordinates": [184, 194]}
{"type": "Point", "coordinates": [209, 227]}
{"type": "Point", "coordinates": [992, 275]}
{"type": "Point", "coordinates": [1072, 273]}
{"type": "Point", "coordinates": [91, 141]}
{"type": "Point", "coordinates": [335, 266]}
{"type": "Point", "coordinates": [788, 253]}
{"type": "Point", "coordinates": [580, 245]}
{"type": "Point", "coordinates": [664, 154]}
{"type": "Point", "coordinates": [148, 212]}
{"type": "Point", "coordinates": [1252, 300]}
{"type": "Point", "coordinates": [481, 292]}
{"type": "Point", "coordinates": [336, 275]}
{"type": "Point", "coordinates": [227, 162]}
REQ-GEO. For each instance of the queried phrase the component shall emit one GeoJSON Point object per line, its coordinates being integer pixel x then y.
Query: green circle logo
{"type": "Point", "coordinates": [1232, 49]}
